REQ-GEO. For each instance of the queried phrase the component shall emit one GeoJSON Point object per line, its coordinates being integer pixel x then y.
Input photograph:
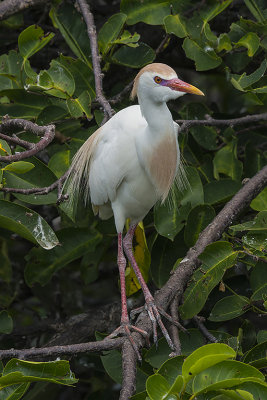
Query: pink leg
{"type": "Point", "coordinates": [125, 326]}
{"type": "Point", "coordinates": [152, 310]}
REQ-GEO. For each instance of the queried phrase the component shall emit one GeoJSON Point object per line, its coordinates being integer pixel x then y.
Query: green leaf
{"type": "Point", "coordinates": [61, 83]}
{"type": "Point", "coordinates": [217, 192]}
{"type": "Point", "coordinates": [260, 202]}
{"type": "Point", "coordinates": [60, 162]}
{"type": "Point", "coordinates": [127, 38]}
{"type": "Point", "coordinates": [258, 389]}
{"type": "Point", "coordinates": [228, 308]}
{"type": "Point", "coordinates": [223, 375]}
{"type": "Point", "coordinates": [215, 10]}
{"type": "Point", "coordinates": [80, 106]}
{"type": "Point", "coordinates": [205, 136]}
{"type": "Point", "coordinates": [32, 39]}
{"type": "Point", "coordinates": [205, 58]}
{"type": "Point", "coordinates": [205, 357]}
{"type": "Point", "coordinates": [176, 25]}
{"type": "Point", "coordinates": [255, 10]}
{"type": "Point", "coordinates": [110, 31]}
{"type": "Point", "coordinates": [74, 243]}
{"type": "Point", "coordinates": [258, 224]}
{"type": "Point", "coordinates": [19, 371]}
{"type": "Point", "coordinates": [216, 259]}
{"type": "Point", "coordinates": [14, 392]}
{"type": "Point", "coordinates": [262, 336]}
{"type": "Point", "coordinates": [134, 57]}
{"type": "Point", "coordinates": [198, 218]}
{"type": "Point", "coordinates": [257, 356]}
{"type": "Point", "coordinates": [241, 82]}
{"type": "Point", "coordinates": [258, 281]}
{"type": "Point", "coordinates": [6, 322]}
{"type": "Point", "coordinates": [149, 11]}
{"type": "Point", "coordinates": [19, 167]}
{"type": "Point", "coordinates": [157, 387]}
{"type": "Point", "coordinates": [256, 240]}
{"type": "Point", "coordinates": [224, 43]}
{"type": "Point", "coordinates": [39, 176]}
{"type": "Point", "coordinates": [169, 220]}
{"type": "Point", "coordinates": [51, 114]}
{"type": "Point", "coordinates": [27, 223]}
{"type": "Point", "coordinates": [5, 150]}
{"type": "Point", "coordinates": [251, 41]}
{"type": "Point", "coordinates": [226, 162]}
{"type": "Point", "coordinates": [73, 29]}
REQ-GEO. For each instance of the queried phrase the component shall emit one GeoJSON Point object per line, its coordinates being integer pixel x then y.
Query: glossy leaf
{"type": "Point", "coordinates": [223, 375]}
{"type": "Point", "coordinates": [251, 41]}
{"type": "Point", "coordinates": [205, 357]}
{"type": "Point", "coordinates": [255, 240]}
{"type": "Point", "coordinates": [134, 57]}
{"type": "Point", "coordinates": [32, 39]}
{"type": "Point", "coordinates": [205, 136]}
{"type": "Point", "coordinates": [228, 308]}
{"type": "Point", "coordinates": [198, 218]}
{"type": "Point", "coordinates": [73, 29]}
{"type": "Point", "coordinates": [5, 150]}
{"type": "Point", "coordinates": [217, 192]}
{"type": "Point", "coordinates": [19, 371]}
{"type": "Point", "coordinates": [149, 11]}
{"type": "Point", "coordinates": [19, 167]}
{"type": "Point", "coordinates": [260, 202]}
{"type": "Point", "coordinates": [27, 223]}
{"type": "Point", "coordinates": [243, 81]}
{"type": "Point", "coordinates": [258, 281]}
{"type": "Point", "coordinates": [74, 243]}
{"type": "Point", "coordinates": [175, 24]}
{"type": "Point", "coordinates": [257, 356]}
{"type": "Point", "coordinates": [157, 387]}
{"type": "Point", "coordinates": [6, 322]}
{"type": "Point", "coordinates": [39, 176]}
{"type": "Point", "coordinates": [205, 58]}
{"type": "Point", "coordinates": [226, 162]}
{"type": "Point", "coordinates": [60, 162]}
{"type": "Point", "coordinates": [14, 392]}
{"type": "Point", "coordinates": [110, 31]}
{"type": "Point", "coordinates": [258, 224]}
{"type": "Point", "coordinates": [224, 43]}
{"type": "Point", "coordinates": [216, 259]}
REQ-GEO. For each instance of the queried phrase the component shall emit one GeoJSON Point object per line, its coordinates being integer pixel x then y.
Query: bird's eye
{"type": "Point", "coordinates": [157, 79]}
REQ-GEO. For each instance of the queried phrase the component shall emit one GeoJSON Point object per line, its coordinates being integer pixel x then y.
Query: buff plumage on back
{"type": "Point", "coordinates": [78, 178]}
{"type": "Point", "coordinates": [157, 68]}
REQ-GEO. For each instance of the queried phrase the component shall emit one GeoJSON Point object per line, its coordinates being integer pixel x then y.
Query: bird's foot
{"type": "Point", "coordinates": [125, 330]}
{"type": "Point", "coordinates": [154, 313]}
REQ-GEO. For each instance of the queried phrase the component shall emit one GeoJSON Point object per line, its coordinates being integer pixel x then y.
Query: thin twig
{"type": "Point", "coordinates": [54, 351]}
{"type": "Point", "coordinates": [91, 30]}
{"type": "Point", "coordinates": [199, 322]}
{"type": "Point", "coordinates": [221, 122]}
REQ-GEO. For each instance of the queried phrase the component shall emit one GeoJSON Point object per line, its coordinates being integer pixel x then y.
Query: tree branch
{"type": "Point", "coordinates": [47, 134]}
{"type": "Point", "coordinates": [91, 30]}
{"type": "Point", "coordinates": [10, 7]}
{"type": "Point", "coordinates": [221, 122]}
{"type": "Point", "coordinates": [129, 359]}
{"type": "Point", "coordinates": [54, 351]}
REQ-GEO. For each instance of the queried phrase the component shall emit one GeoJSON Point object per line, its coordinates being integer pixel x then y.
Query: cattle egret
{"type": "Point", "coordinates": [129, 164]}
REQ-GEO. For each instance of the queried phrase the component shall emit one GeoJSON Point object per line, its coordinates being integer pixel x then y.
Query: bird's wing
{"type": "Point", "coordinates": [105, 159]}
{"type": "Point", "coordinates": [115, 155]}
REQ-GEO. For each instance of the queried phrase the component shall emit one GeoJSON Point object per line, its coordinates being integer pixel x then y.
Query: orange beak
{"type": "Point", "coordinates": [180, 86]}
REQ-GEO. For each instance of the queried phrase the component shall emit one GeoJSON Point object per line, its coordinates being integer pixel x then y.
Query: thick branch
{"type": "Point", "coordinates": [89, 20]}
{"type": "Point", "coordinates": [128, 371]}
{"type": "Point", "coordinates": [10, 7]}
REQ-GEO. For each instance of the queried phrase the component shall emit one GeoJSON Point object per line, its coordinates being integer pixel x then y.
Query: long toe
{"type": "Point", "coordinates": [125, 329]}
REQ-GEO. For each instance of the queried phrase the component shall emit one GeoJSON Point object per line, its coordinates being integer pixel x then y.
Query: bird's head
{"type": "Point", "coordinates": [160, 82]}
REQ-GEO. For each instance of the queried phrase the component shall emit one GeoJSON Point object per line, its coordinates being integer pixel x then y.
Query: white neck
{"type": "Point", "coordinates": [157, 114]}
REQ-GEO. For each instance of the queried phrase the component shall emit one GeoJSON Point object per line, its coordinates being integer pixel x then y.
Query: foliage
{"type": "Point", "coordinates": [47, 77]}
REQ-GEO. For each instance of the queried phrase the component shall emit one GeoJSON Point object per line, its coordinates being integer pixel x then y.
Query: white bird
{"type": "Point", "coordinates": [129, 164]}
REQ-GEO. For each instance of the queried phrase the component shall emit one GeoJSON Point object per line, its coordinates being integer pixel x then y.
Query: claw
{"type": "Point", "coordinates": [125, 329]}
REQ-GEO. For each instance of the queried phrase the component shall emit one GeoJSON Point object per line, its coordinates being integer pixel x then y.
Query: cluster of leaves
{"type": "Point", "coordinates": [229, 286]}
